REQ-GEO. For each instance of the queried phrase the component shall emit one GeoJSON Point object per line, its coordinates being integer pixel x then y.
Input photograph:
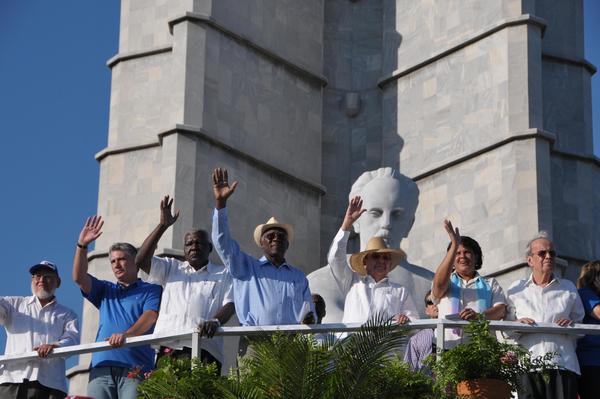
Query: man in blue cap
{"type": "Point", "coordinates": [37, 323]}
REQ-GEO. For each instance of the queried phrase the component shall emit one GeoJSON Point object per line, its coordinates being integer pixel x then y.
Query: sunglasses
{"type": "Point", "coordinates": [542, 254]}
{"type": "Point", "coordinates": [272, 235]}
{"type": "Point", "coordinates": [429, 302]}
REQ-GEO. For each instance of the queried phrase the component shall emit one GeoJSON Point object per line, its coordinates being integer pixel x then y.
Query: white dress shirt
{"type": "Point", "coordinates": [189, 297]}
{"type": "Point", "coordinates": [557, 300]}
{"type": "Point", "coordinates": [364, 296]}
{"type": "Point", "coordinates": [468, 299]}
{"type": "Point", "coordinates": [28, 325]}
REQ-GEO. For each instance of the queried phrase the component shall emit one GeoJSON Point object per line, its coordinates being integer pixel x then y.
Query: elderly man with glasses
{"type": "Point", "coordinates": [37, 323]}
{"type": "Point", "coordinates": [546, 298]}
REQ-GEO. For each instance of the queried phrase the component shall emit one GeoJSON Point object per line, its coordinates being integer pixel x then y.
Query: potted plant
{"type": "Point", "coordinates": [483, 367]}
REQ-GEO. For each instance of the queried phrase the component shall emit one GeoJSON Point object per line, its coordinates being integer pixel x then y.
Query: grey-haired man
{"type": "Point", "coordinates": [37, 323]}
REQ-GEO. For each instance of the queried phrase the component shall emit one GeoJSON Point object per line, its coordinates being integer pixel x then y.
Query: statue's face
{"type": "Point", "coordinates": [390, 214]}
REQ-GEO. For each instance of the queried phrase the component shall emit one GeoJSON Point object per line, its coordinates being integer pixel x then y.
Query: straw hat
{"type": "Point", "coordinates": [377, 245]}
{"type": "Point", "coordinates": [271, 224]}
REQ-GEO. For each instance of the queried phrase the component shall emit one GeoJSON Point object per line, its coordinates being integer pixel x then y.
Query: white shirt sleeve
{"type": "Point", "coordinates": [5, 310]}
{"type": "Point", "coordinates": [159, 270]}
{"type": "Point", "coordinates": [70, 334]}
{"type": "Point", "coordinates": [338, 262]}
{"type": "Point", "coordinates": [578, 312]}
{"type": "Point", "coordinates": [228, 295]}
{"type": "Point", "coordinates": [409, 308]}
{"type": "Point", "coordinates": [498, 296]}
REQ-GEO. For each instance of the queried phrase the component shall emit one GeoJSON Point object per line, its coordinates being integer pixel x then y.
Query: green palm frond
{"type": "Point", "coordinates": [360, 356]}
{"type": "Point", "coordinates": [288, 367]}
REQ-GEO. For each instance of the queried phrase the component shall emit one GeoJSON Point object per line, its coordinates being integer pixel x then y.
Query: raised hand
{"type": "Point", "coordinates": [166, 217]}
{"type": "Point", "coordinates": [221, 188]}
{"type": "Point", "coordinates": [453, 233]}
{"type": "Point", "coordinates": [354, 211]}
{"type": "Point", "coordinates": [92, 229]}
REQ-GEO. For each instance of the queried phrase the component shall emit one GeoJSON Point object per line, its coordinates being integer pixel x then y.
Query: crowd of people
{"type": "Point", "coordinates": [163, 294]}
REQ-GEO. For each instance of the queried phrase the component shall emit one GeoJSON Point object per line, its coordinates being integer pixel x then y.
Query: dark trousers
{"type": "Point", "coordinates": [560, 384]}
{"type": "Point", "coordinates": [29, 390]}
{"type": "Point", "coordinates": [186, 353]}
{"type": "Point", "coordinates": [588, 382]}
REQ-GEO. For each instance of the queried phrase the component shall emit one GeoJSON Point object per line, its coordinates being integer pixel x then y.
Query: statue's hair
{"type": "Point", "coordinates": [410, 187]}
{"type": "Point", "coordinates": [542, 234]}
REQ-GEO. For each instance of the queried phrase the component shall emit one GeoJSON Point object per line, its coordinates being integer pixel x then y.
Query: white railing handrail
{"type": "Point", "coordinates": [194, 337]}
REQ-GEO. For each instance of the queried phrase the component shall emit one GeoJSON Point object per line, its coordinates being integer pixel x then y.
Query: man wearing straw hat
{"type": "Point", "coordinates": [365, 280]}
{"type": "Point", "coordinates": [267, 291]}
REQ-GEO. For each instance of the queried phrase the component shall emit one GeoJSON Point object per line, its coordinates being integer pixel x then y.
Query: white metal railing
{"type": "Point", "coordinates": [194, 338]}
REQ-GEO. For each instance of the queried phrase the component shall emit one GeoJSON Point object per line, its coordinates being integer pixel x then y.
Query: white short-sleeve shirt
{"type": "Point", "coordinates": [29, 324]}
{"type": "Point", "coordinates": [189, 297]}
{"type": "Point", "coordinates": [557, 300]}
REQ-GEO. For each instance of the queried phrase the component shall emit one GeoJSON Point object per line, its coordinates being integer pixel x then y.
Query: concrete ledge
{"type": "Point", "coordinates": [591, 68]}
{"type": "Point", "coordinates": [75, 370]}
{"type": "Point", "coordinates": [131, 55]}
{"type": "Point", "coordinates": [205, 136]}
{"type": "Point", "coordinates": [518, 136]}
{"type": "Point", "coordinates": [525, 19]}
{"type": "Point", "coordinates": [583, 158]}
{"type": "Point", "coordinates": [201, 133]}
{"type": "Point", "coordinates": [206, 20]}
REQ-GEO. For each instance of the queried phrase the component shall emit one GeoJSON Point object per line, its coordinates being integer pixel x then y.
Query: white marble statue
{"type": "Point", "coordinates": [391, 200]}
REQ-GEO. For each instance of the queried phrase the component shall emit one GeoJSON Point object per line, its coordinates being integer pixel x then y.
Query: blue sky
{"type": "Point", "coordinates": [54, 100]}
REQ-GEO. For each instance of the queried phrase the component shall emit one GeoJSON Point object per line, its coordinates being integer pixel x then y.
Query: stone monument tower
{"type": "Point", "coordinates": [485, 105]}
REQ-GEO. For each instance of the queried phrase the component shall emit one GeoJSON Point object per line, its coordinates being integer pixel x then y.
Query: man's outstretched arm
{"type": "Point", "coordinates": [143, 324]}
{"type": "Point", "coordinates": [143, 260]}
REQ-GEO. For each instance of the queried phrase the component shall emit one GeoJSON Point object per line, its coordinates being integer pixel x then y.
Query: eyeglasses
{"type": "Point", "coordinates": [272, 235]}
{"type": "Point", "coordinates": [384, 256]}
{"type": "Point", "coordinates": [542, 254]}
{"type": "Point", "coordinates": [429, 302]}
{"type": "Point", "coordinates": [38, 277]}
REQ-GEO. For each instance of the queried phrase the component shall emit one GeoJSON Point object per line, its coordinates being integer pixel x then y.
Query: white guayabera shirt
{"type": "Point", "coordinates": [557, 300]}
{"type": "Point", "coordinates": [189, 297]}
{"type": "Point", "coordinates": [28, 325]}
{"type": "Point", "coordinates": [364, 296]}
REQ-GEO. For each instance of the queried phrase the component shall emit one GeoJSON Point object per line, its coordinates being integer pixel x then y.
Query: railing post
{"type": "Point", "coordinates": [195, 346]}
{"type": "Point", "coordinates": [439, 333]}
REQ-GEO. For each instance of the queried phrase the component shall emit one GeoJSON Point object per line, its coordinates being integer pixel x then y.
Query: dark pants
{"type": "Point", "coordinates": [588, 382]}
{"type": "Point", "coordinates": [186, 353]}
{"type": "Point", "coordinates": [560, 384]}
{"type": "Point", "coordinates": [29, 390]}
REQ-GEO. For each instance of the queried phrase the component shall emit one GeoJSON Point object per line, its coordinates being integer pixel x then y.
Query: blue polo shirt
{"type": "Point", "coordinates": [120, 307]}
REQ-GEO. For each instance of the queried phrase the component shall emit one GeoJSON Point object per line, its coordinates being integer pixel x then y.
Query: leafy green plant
{"type": "Point", "coordinates": [483, 356]}
{"type": "Point", "coordinates": [176, 379]}
{"type": "Point", "coordinates": [362, 365]}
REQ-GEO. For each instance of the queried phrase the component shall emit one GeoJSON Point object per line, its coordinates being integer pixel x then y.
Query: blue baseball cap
{"type": "Point", "coordinates": [44, 265]}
